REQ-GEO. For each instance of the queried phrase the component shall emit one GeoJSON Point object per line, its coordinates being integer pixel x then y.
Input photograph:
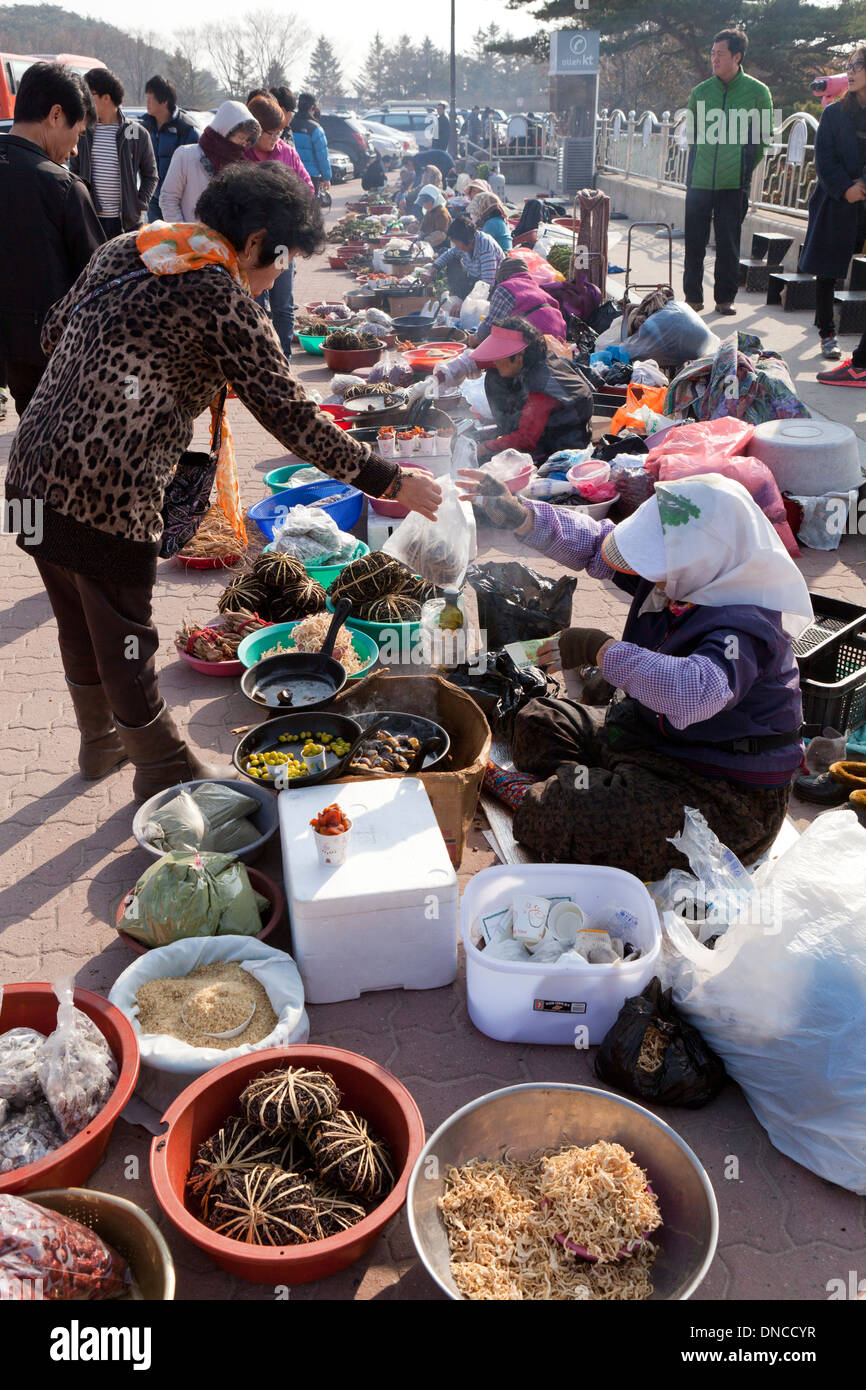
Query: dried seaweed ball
{"type": "Point", "coordinates": [347, 1155]}
{"type": "Point", "coordinates": [235, 1148]}
{"type": "Point", "coordinates": [278, 1100]}
{"type": "Point", "coordinates": [265, 1206]}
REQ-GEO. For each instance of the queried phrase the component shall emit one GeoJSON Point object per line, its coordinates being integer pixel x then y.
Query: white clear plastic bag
{"type": "Point", "coordinates": [77, 1070]}
{"type": "Point", "coordinates": [782, 997]}
{"type": "Point", "coordinates": [507, 464]}
{"type": "Point", "coordinates": [671, 336]}
{"type": "Point", "coordinates": [475, 307]}
{"type": "Point", "coordinates": [439, 550]}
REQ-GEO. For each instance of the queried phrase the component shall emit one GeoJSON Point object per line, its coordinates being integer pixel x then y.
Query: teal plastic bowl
{"type": "Point", "coordinates": [326, 574]}
{"type": "Point", "coordinates": [311, 344]}
{"type": "Point", "coordinates": [278, 478]}
{"type": "Point", "coordinates": [377, 631]}
{"type": "Point", "coordinates": [252, 648]}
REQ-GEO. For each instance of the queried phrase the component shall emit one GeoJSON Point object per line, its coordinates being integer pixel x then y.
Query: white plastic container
{"type": "Point", "coordinates": [808, 458]}
{"type": "Point", "coordinates": [387, 917]}
{"type": "Point", "coordinates": [535, 1003]}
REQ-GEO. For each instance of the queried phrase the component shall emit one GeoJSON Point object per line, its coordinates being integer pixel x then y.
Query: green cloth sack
{"type": "Point", "coordinates": [178, 825]}
{"type": "Point", "coordinates": [220, 804]}
{"type": "Point", "coordinates": [184, 895]}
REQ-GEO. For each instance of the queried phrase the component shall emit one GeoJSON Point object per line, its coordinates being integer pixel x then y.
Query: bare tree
{"type": "Point", "coordinates": [258, 49]}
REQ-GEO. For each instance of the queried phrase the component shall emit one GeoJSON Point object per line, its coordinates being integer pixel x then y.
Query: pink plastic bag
{"type": "Point", "coordinates": [541, 270]}
{"type": "Point", "coordinates": [711, 437]}
{"type": "Point", "coordinates": [755, 477]}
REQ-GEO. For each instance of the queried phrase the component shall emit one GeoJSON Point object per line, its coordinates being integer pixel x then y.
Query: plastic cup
{"type": "Point", "coordinates": [406, 447]}
{"type": "Point", "coordinates": [332, 849]}
{"type": "Point", "coordinates": [564, 921]}
{"type": "Point", "coordinates": [427, 446]}
{"type": "Point", "coordinates": [386, 446]}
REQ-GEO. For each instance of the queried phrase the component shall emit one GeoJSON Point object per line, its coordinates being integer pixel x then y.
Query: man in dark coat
{"type": "Point", "coordinates": [115, 158]}
{"type": "Point", "coordinates": [837, 214]}
{"type": "Point", "coordinates": [168, 128]}
{"type": "Point", "coordinates": [49, 227]}
{"type": "Point", "coordinates": [441, 128]}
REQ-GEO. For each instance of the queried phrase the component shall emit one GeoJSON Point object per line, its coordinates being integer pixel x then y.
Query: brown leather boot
{"type": "Point", "coordinates": [100, 750]}
{"type": "Point", "coordinates": [163, 759]}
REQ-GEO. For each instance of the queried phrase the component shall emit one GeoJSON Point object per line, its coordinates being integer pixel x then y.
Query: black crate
{"type": "Point", "coordinates": [753, 274]}
{"type": "Point", "coordinates": [834, 695]}
{"type": "Point", "coordinates": [836, 623]}
{"type": "Point", "coordinates": [794, 290]}
{"type": "Point", "coordinates": [771, 247]}
{"type": "Point", "coordinates": [850, 306]}
{"type": "Point", "coordinates": [857, 278]}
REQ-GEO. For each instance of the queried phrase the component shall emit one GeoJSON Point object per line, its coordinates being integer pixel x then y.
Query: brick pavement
{"type": "Point", "coordinates": [67, 856]}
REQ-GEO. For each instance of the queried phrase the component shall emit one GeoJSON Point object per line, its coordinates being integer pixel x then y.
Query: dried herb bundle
{"type": "Point", "coordinates": [244, 591]}
{"type": "Point", "coordinates": [234, 1148]}
{"type": "Point", "coordinates": [335, 1211]}
{"type": "Point", "coordinates": [417, 588]}
{"type": "Point", "coordinates": [294, 1154]}
{"type": "Point", "coordinates": [279, 1100]}
{"type": "Point", "coordinates": [279, 571]}
{"type": "Point", "coordinates": [265, 1206]}
{"type": "Point", "coordinates": [392, 608]}
{"type": "Point", "coordinates": [372, 576]}
{"type": "Point", "coordinates": [349, 1156]}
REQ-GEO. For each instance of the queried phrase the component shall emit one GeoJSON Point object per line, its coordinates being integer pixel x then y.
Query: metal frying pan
{"type": "Point", "coordinates": [302, 681]}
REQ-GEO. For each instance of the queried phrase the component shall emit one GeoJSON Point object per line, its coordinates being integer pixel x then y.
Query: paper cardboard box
{"type": "Point", "coordinates": [455, 785]}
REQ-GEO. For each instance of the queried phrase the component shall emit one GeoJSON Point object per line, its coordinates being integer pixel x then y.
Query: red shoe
{"type": "Point", "coordinates": [845, 375]}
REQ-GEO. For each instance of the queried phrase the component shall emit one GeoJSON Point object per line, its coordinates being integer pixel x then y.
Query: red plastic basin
{"type": "Point", "coordinates": [200, 1110]}
{"type": "Point", "coordinates": [34, 1005]}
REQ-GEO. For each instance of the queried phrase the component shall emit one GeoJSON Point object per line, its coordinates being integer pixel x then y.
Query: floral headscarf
{"type": "Point", "coordinates": [171, 248]}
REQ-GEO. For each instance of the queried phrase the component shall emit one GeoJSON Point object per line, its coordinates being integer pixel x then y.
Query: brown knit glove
{"type": "Point", "coordinates": [498, 505]}
{"type": "Point", "coordinates": [579, 646]}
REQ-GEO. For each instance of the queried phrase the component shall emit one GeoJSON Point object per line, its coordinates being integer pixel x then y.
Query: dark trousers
{"type": "Point", "coordinates": [107, 638]}
{"type": "Point", "coordinates": [723, 210]}
{"type": "Point", "coordinates": [112, 226]}
{"type": "Point", "coordinates": [596, 805]}
{"type": "Point", "coordinates": [460, 282]}
{"type": "Point", "coordinates": [23, 378]}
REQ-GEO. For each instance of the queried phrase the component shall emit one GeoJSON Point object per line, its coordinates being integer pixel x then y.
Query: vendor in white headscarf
{"type": "Point", "coordinates": [711, 712]}
{"type": "Point", "coordinates": [436, 219]}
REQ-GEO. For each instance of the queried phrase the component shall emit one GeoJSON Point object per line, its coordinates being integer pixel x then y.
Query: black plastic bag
{"type": "Point", "coordinates": [651, 1052]}
{"type": "Point", "coordinates": [601, 320]}
{"type": "Point", "coordinates": [516, 605]}
{"type": "Point", "coordinates": [502, 690]}
{"type": "Point", "coordinates": [610, 445]}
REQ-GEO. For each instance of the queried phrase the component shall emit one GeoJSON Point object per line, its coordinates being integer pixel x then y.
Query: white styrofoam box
{"type": "Point", "coordinates": [808, 458]}
{"type": "Point", "coordinates": [527, 1002]}
{"type": "Point", "coordinates": [387, 917]}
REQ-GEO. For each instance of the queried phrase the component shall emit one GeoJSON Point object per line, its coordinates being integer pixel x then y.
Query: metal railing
{"type": "Point", "coordinates": [656, 149]}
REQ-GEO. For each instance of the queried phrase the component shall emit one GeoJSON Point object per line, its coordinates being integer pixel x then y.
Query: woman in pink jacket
{"type": "Point", "coordinates": [279, 300]}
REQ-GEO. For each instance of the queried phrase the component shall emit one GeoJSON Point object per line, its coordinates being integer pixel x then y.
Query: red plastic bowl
{"type": "Point", "coordinates": [35, 1006]}
{"type": "Point", "coordinates": [341, 416]}
{"type": "Point", "coordinates": [346, 359]}
{"type": "Point", "coordinates": [394, 509]}
{"type": "Point", "coordinates": [200, 1110]}
{"type": "Point", "coordinates": [426, 356]}
{"type": "Point", "coordinates": [212, 668]}
{"type": "Point", "coordinates": [259, 882]}
{"type": "Point", "coordinates": [338, 262]}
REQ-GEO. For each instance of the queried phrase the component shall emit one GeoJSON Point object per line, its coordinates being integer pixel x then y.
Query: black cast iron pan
{"type": "Point", "coordinates": [298, 681]}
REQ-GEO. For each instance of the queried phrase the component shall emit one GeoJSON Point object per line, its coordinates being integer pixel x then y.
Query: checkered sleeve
{"type": "Point", "coordinates": [685, 689]}
{"type": "Point", "coordinates": [571, 537]}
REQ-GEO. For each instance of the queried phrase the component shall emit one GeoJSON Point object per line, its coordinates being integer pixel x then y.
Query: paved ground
{"type": "Point", "coordinates": [67, 856]}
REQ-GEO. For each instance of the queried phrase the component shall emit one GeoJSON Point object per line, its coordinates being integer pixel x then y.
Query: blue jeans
{"type": "Point", "coordinates": [279, 302]}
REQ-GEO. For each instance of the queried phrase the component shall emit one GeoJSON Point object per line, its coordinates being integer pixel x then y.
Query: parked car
{"type": "Point", "coordinates": [390, 144]}
{"type": "Point", "coordinates": [14, 65]}
{"type": "Point", "coordinates": [347, 134]}
{"type": "Point", "coordinates": [341, 166]}
{"type": "Point", "coordinates": [412, 122]}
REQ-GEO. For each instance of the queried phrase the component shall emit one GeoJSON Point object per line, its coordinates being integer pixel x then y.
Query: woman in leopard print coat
{"type": "Point", "coordinates": [129, 371]}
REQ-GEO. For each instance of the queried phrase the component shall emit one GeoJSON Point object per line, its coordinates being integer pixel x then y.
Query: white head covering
{"type": "Point", "coordinates": [230, 115]}
{"type": "Point", "coordinates": [431, 191]}
{"type": "Point", "coordinates": [707, 541]}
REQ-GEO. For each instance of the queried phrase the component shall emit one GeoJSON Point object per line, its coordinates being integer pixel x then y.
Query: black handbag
{"type": "Point", "coordinates": [187, 496]}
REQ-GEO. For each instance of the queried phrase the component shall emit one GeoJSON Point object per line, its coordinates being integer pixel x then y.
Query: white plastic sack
{"type": "Point", "coordinates": [473, 392]}
{"type": "Point", "coordinates": [825, 519]}
{"type": "Point", "coordinates": [168, 1064]}
{"type": "Point", "coordinates": [648, 373]}
{"type": "Point", "coordinates": [475, 306]}
{"type": "Point", "coordinates": [611, 336]}
{"type": "Point", "coordinates": [441, 550]}
{"type": "Point", "coordinates": [782, 998]}
{"type": "Point", "coordinates": [507, 464]}
{"type": "Point", "coordinates": [672, 335]}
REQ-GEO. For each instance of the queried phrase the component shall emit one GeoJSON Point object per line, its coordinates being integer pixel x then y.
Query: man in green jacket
{"type": "Point", "coordinates": [729, 125]}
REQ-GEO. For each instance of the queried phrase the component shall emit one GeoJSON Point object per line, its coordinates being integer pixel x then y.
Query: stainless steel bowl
{"type": "Point", "coordinates": [523, 1119]}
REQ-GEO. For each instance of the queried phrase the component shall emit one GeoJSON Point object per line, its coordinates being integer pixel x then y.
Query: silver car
{"type": "Point", "coordinates": [393, 145]}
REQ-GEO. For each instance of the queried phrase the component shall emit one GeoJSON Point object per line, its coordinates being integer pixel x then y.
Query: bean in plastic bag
{"type": "Point", "coordinates": [77, 1070]}
{"type": "Point", "coordinates": [28, 1135]}
{"type": "Point", "coordinates": [439, 550]}
{"type": "Point", "coordinates": [516, 604]}
{"type": "Point", "coordinates": [652, 1052]}
{"type": "Point", "coordinates": [70, 1261]}
{"type": "Point", "coordinates": [19, 1072]}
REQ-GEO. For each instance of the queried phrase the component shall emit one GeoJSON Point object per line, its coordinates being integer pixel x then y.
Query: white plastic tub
{"type": "Point", "coordinates": [387, 917]}
{"type": "Point", "coordinates": [525, 1002]}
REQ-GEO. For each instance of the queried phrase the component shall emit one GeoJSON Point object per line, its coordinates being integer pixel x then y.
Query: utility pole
{"type": "Point", "coordinates": [452, 142]}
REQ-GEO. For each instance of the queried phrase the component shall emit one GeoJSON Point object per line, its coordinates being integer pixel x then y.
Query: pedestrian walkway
{"type": "Point", "coordinates": [67, 857]}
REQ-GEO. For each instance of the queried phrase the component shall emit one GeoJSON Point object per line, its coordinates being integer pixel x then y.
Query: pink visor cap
{"type": "Point", "coordinates": [501, 342]}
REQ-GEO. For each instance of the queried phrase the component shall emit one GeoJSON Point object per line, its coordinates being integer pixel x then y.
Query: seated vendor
{"type": "Point", "coordinates": [489, 215]}
{"type": "Point", "coordinates": [436, 218]}
{"type": "Point", "coordinates": [516, 292]}
{"type": "Point", "coordinates": [711, 712]}
{"type": "Point", "coordinates": [472, 256]}
{"type": "Point", "coordinates": [539, 402]}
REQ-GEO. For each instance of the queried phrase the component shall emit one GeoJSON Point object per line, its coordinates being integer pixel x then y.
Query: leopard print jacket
{"type": "Point", "coordinates": [127, 376]}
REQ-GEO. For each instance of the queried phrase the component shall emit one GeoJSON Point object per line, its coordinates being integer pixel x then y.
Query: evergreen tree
{"type": "Point", "coordinates": [371, 87]}
{"type": "Point", "coordinates": [325, 77]}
